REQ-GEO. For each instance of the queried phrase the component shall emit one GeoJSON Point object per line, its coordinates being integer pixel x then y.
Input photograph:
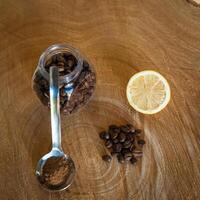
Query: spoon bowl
{"type": "Point", "coordinates": [52, 154]}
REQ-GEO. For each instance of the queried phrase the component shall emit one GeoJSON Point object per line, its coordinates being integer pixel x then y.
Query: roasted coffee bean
{"type": "Point", "coordinates": [117, 130]}
{"type": "Point", "coordinates": [127, 144]}
{"type": "Point", "coordinates": [108, 144]}
{"type": "Point", "coordinates": [131, 128]}
{"type": "Point", "coordinates": [141, 142]}
{"type": "Point", "coordinates": [104, 135]}
{"type": "Point", "coordinates": [128, 156]}
{"type": "Point", "coordinates": [113, 134]}
{"type": "Point", "coordinates": [117, 147]}
{"type": "Point", "coordinates": [132, 147]}
{"type": "Point", "coordinates": [112, 126]}
{"type": "Point", "coordinates": [54, 59]}
{"type": "Point", "coordinates": [122, 137]}
{"type": "Point", "coordinates": [125, 129]}
{"type": "Point", "coordinates": [137, 153]}
{"type": "Point", "coordinates": [125, 151]}
{"type": "Point", "coordinates": [107, 158]}
{"type": "Point", "coordinates": [120, 158]}
{"type": "Point", "coordinates": [115, 140]}
{"type": "Point", "coordinates": [133, 160]}
{"type": "Point", "coordinates": [138, 131]}
{"type": "Point", "coordinates": [130, 137]}
{"type": "Point", "coordinates": [60, 58]}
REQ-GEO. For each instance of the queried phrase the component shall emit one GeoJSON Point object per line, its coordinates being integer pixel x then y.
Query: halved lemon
{"type": "Point", "coordinates": [148, 92]}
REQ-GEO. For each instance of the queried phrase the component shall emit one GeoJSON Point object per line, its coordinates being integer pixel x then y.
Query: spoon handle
{"type": "Point", "coordinates": [55, 108]}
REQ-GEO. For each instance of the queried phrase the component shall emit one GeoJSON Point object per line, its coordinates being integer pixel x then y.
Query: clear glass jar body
{"type": "Point", "coordinates": [77, 78]}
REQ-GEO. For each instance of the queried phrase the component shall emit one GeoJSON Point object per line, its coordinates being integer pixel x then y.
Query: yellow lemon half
{"type": "Point", "coordinates": [148, 92]}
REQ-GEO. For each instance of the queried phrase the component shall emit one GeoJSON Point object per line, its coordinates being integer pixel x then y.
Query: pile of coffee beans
{"type": "Point", "coordinates": [84, 84]}
{"type": "Point", "coordinates": [123, 141]}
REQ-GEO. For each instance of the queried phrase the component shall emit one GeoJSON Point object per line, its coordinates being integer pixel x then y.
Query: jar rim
{"type": "Point", "coordinates": [56, 49]}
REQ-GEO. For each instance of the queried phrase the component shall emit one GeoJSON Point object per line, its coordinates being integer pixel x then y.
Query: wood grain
{"type": "Point", "coordinates": [120, 38]}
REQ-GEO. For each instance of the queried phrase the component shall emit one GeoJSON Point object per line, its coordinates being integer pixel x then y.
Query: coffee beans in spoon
{"type": "Point", "coordinates": [124, 141]}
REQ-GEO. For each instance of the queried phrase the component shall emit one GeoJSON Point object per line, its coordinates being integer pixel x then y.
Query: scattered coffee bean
{"type": "Point", "coordinates": [108, 144]}
{"type": "Point", "coordinates": [122, 137]}
{"type": "Point", "coordinates": [127, 144]}
{"type": "Point", "coordinates": [112, 126]}
{"type": "Point", "coordinates": [137, 153]}
{"type": "Point", "coordinates": [128, 156]}
{"type": "Point", "coordinates": [120, 158]}
{"type": "Point", "coordinates": [141, 142]}
{"type": "Point", "coordinates": [113, 134]}
{"type": "Point", "coordinates": [125, 129]}
{"type": "Point", "coordinates": [133, 160]}
{"type": "Point", "coordinates": [115, 140]}
{"type": "Point", "coordinates": [138, 131]}
{"type": "Point", "coordinates": [117, 147]}
{"type": "Point", "coordinates": [104, 135]}
{"type": "Point", "coordinates": [107, 158]}
{"type": "Point", "coordinates": [124, 141]}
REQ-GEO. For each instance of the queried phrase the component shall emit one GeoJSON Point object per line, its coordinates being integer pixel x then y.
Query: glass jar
{"type": "Point", "coordinates": [77, 78]}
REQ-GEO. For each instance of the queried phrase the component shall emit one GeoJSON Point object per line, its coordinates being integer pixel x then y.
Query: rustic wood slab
{"type": "Point", "coordinates": [120, 38]}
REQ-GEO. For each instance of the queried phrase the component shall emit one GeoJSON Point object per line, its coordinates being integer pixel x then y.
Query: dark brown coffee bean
{"type": "Point", "coordinates": [138, 131]}
{"type": "Point", "coordinates": [141, 142]}
{"type": "Point", "coordinates": [122, 137]}
{"type": "Point", "coordinates": [125, 129]}
{"type": "Point", "coordinates": [112, 126]}
{"type": "Point", "coordinates": [127, 144]}
{"type": "Point", "coordinates": [113, 134]}
{"type": "Point", "coordinates": [128, 156]}
{"type": "Point", "coordinates": [117, 147]}
{"type": "Point", "coordinates": [104, 135]}
{"type": "Point", "coordinates": [120, 158]}
{"type": "Point", "coordinates": [133, 160]}
{"type": "Point", "coordinates": [125, 151]}
{"type": "Point", "coordinates": [117, 130]}
{"type": "Point", "coordinates": [54, 59]}
{"type": "Point", "coordinates": [115, 140]}
{"type": "Point", "coordinates": [60, 58]}
{"type": "Point", "coordinates": [137, 153]}
{"type": "Point", "coordinates": [107, 158]}
{"type": "Point", "coordinates": [132, 147]}
{"type": "Point", "coordinates": [108, 144]}
{"type": "Point", "coordinates": [130, 137]}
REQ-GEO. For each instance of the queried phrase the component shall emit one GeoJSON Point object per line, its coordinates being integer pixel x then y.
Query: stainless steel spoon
{"type": "Point", "coordinates": [56, 136]}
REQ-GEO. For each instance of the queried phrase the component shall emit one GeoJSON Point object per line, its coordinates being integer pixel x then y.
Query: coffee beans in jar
{"type": "Point", "coordinates": [77, 78]}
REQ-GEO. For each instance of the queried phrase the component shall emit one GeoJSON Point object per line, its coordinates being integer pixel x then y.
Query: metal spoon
{"type": "Point", "coordinates": [56, 136]}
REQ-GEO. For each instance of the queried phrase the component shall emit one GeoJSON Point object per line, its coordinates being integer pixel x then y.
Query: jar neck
{"type": "Point", "coordinates": [57, 49]}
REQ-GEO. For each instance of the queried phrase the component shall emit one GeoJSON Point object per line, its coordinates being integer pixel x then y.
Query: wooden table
{"type": "Point", "coordinates": [120, 38]}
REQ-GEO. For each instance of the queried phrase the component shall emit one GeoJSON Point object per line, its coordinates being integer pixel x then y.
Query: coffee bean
{"type": "Point", "coordinates": [137, 153]}
{"type": "Point", "coordinates": [60, 58]}
{"type": "Point", "coordinates": [125, 151]}
{"type": "Point", "coordinates": [141, 142]}
{"type": "Point", "coordinates": [132, 147]}
{"type": "Point", "coordinates": [117, 147]}
{"type": "Point", "coordinates": [112, 126]}
{"type": "Point", "coordinates": [125, 129]}
{"type": "Point", "coordinates": [130, 137]}
{"type": "Point", "coordinates": [113, 134]}
{"type": "Point", "coordinates": [104, 135]}
{"type": "Point", "coordinates": [107, 158]}
{"type": "Point", "coordinates": [108, 144]}
{"type": "Point", "coordinates": [127, 144]}
{"type": "Point", "coordinates": [138, 131]}
{"type": "Point", "coordinates": [128, 156]}
{"type": "Point", "coordinates": [117, 130]}
{"type": "Point", "coordinates": [115, 140]}
{"type": "Point", "coordinates": [133, 160]}
{"type": "Point", "coordinates": [120, 158]}
{"type": "Point", "coordinates": [122, 137]}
